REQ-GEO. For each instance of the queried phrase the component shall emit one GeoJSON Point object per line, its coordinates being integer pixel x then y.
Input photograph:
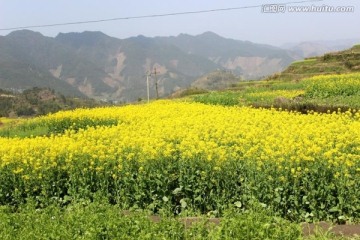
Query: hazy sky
{"type": "Point", "coordinates": [243, 24]}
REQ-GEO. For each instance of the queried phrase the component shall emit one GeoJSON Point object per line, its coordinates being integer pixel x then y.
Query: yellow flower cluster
{"type": "Point", "coordinates": [333, 85]}
{"type": "Point", "coordinates": [166, 129]}
{"type": "Point", "coordinates": [4, 120]}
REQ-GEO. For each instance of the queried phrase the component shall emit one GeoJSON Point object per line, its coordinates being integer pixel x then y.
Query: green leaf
{"type": "Point", "coordinates": [177, 190]}
{"type": "Point", "coordinates": [183, 203]}
{"type": "Point", "coordinates": [198, 198]}
{"type": "Point", "coordinates": [238, 204]}
{"type": "Point", "coordinates": [334, 209]}
{"type": "Point", "coordinates": [263, 205]}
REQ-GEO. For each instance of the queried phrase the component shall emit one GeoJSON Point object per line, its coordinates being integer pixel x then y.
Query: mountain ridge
{"type": "Point", "coordinates": [103, 67]}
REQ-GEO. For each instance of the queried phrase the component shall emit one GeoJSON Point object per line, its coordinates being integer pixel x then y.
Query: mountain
{"type": "Point", "coordinates": [51, 58]}
{"type": "Point", "coordinates": [317, 48]}
{"type": "Point", "coordinates": [127, 61]}
{"type": "Point", "coordinates": [244, 58]}
{"type": "Point", "coordinates": [23, 64]}
{"type": "Point", "coordinates": [99, 66]}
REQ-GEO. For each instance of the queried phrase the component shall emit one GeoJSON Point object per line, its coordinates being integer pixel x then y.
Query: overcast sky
{"type": "Point", "coordinates": [242, 24]}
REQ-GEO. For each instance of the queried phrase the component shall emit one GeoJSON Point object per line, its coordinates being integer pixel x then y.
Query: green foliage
{"type": "Point", "coordinates": [194, 187]}
{"type": "Point", "coordinates": [219, 98]}
{"type": "Point", "coordinates": [99, 220]}
{"type": "Point", "coordinates": [33, 128]}
{"type": "Point", "coordinates": [308, 61]}
{"type": "Point", "coordinates": [24, 130]}
{"type": "Point", "coordinates": [254, 93]}
{"type": "Point", "coordinates": [84, 221]}
{"type": "Point", "coordinates": [25, 111]}
{"type": "Point", "coordinates": [64, 124]}
{"type": "Point", "coordinates": [320, 93]}
{"type": "Point", "coordinates": [5, 106]}
{"type": "Point", "coordinates": [334, 102]}
{"type": "Point", "coordinates": [192, 91]}
{"type": "Point", "coordinates": [257, 223]}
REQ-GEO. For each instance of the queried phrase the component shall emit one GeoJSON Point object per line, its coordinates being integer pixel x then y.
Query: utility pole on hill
{"type": "Point", "coordinates": [149, 74]}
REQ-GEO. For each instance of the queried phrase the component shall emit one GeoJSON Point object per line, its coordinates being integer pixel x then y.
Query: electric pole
{"type": "Point", "coordinates": [147, 86]}
{"type": "Point", "coordinates": [156, 84]}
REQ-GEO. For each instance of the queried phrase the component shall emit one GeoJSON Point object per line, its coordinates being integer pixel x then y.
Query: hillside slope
{"type": "Point", "coordinates": [346, 61]}
{"type": "Point", "coordinates": [39, 101]}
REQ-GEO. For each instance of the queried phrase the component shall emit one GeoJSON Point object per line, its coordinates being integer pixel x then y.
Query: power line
{"type": "Point", "coordinates": [150, 16]}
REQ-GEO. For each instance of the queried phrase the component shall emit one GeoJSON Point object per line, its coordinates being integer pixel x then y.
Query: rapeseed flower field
{"type": "Point", "coordinates": [190, 157]}
{"type": "Point", "coordinates": [277, 93]}
{"type": "Point", "coordinates": [333, 85]}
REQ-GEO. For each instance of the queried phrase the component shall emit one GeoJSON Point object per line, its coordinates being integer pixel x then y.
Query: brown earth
{"type": "Point", "coordinates": [338, 230]}
{"type": "Point", "coordinates": [308, 229]}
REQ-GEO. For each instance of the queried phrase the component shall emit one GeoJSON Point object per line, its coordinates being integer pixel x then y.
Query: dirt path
{"type": "Point", "coordinates": [307, 228]}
